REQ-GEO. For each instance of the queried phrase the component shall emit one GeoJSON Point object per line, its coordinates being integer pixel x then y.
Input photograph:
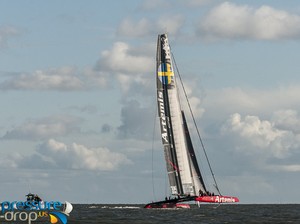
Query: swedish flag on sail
{"type": "Point", "coordinates": [165, 73]}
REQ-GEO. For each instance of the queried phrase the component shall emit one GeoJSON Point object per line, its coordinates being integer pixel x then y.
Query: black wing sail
{"type": "Point", "coordinates": [196, 174]}
{"type": "Point", "coordinates": [164, 79]}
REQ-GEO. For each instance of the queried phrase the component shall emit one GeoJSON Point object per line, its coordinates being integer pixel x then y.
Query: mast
{"type": "Point", "coordinates": [165, 77]}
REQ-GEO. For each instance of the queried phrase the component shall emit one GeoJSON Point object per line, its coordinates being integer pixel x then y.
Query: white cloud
{"type": "Point", "coordinates": [125, 63]}
{"type": "Point", "coordinates": [287, 168]}
{"type": "Point", "coordinates": [266, 139]}
{"type": "Point", "coordinates": [121, 59]}
{"type": "Point", "coordinates": [231, 21]}
{"type": "Point", "coordinates": [64, 78]}
{"type": "Point", "coordinates": [251, 101]}
{"type": "Point", "coordinates": [79, 156]}
{"type": "Point", "coordinates": [287, 120]}
{"type": "Point", "coordinates": [145, 27]}
{"type": "Point", "coordinates": [196, 105]}
{"type": "Point", "coordinates": [57, 155]}
{"type": "Point", "coordinates": [171, 24]}
{"type": "Point", "coordinates": [193, 92]}
{"type": "Point", "coordinates": [44, 128]}
{"type": "Point", "coordinates": [70, 79]}
{"type": "Point", "coordinates": [261, 133]}
{"type": "Point", "coordinates": [128, 65]}
{"type": "Point", "coordinates": [10, 160]}
{"type": "Point", "coordinates": [259, 128]}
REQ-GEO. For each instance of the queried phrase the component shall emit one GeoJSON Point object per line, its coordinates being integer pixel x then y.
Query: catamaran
{"type": "Point", "coordinates": [185, 179]}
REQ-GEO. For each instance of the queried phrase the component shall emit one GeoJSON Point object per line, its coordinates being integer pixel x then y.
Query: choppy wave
{"type": "Point", "coordinates": [121, 207]}
{"type": "Point", "coordinates": [135, 214]}
{"type": "Point", "coordinates": [114, 207]}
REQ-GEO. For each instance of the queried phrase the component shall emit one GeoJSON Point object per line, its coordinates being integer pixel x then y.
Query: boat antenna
{"type": "Point", "coordinates": [198, 133]}
{"type": "Point", "coordinates": [29, 188]}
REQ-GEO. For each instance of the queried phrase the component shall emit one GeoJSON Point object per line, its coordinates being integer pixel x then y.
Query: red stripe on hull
{"type": "Point", "coordinates": [217, 199]}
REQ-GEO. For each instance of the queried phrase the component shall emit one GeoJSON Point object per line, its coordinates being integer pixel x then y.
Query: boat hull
{"type": "Point", "coordinates": [217, 199]}
{"type": "Point", "coordinates": [167, 205]}
{"type": "Point", "coordinates": [172, 203]}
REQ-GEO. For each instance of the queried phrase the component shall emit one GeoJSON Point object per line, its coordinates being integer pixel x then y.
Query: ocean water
{"type": "Point", "coordinates": [210, 214]}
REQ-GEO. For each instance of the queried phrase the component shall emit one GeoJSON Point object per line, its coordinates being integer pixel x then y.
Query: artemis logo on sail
{"type": "Point", "coordinates": [162, 115]}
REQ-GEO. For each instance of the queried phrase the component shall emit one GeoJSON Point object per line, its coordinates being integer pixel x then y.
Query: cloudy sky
{"type": "Point", "coordinates": [77, 93]}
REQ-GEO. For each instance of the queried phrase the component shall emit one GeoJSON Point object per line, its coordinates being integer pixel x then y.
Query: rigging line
{"type": "Point", "coordinates": [204, 150]}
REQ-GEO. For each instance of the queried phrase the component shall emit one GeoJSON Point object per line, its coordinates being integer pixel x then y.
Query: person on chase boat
{"type": "Point", "coordinates": [33, 197]}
